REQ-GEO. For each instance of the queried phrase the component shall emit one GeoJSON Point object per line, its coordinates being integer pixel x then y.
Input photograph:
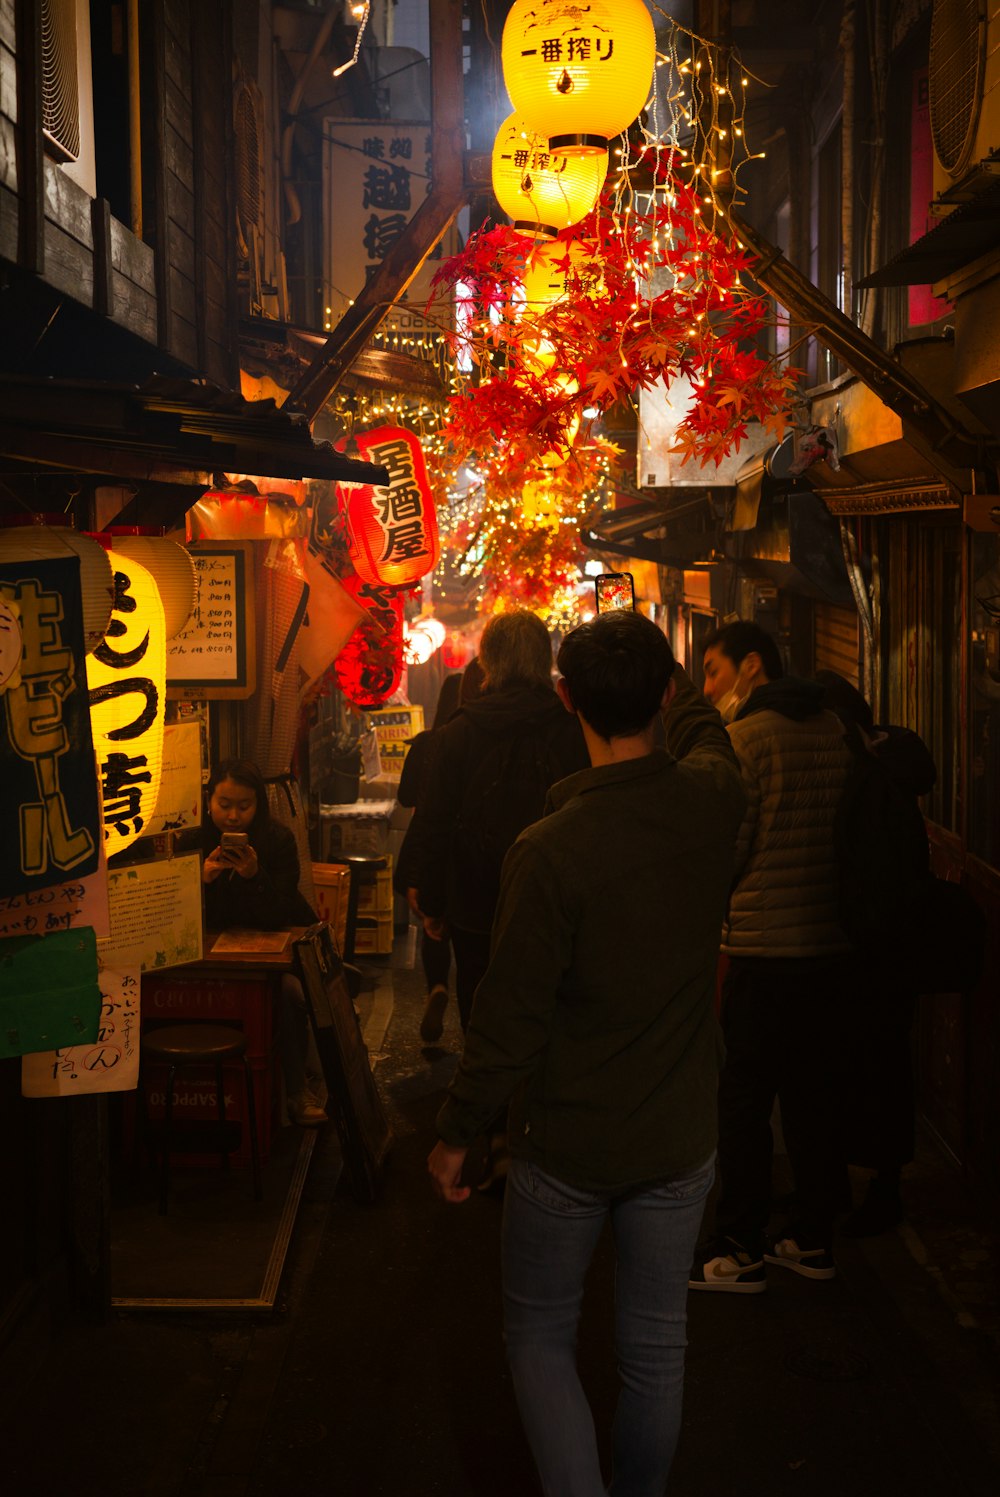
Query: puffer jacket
{"type": "Point", "coordinates": [795, 764]}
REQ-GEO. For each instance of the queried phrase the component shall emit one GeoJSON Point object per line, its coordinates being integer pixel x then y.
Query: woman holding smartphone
{"type": "Point", "coordinates": [251, 879]}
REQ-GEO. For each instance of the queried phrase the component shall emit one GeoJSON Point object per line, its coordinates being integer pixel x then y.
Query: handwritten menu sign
{"type": "Point", "coordinates": [213, 655]}
{"type": "Point", "coordinates": [78, 901]}
{"type": "Point", "coordinates": [111, 1062]}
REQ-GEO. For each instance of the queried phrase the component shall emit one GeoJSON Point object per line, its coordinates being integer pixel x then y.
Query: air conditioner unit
{"type": "Point", "coordinates": [964, 90]}
{"type": "Point", "coordinates": [68, 90]}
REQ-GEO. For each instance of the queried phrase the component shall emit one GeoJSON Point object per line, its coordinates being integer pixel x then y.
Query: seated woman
{"type": "Point", "coordinates": [254, 885]}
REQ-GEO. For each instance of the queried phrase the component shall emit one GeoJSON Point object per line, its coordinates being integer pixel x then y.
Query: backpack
{"type": "Point", "coordinates": [928, 933]}
{"type": "Point", "coordinates": [504, 793]}
{"type": "Point", "coordinates": [883, 855]}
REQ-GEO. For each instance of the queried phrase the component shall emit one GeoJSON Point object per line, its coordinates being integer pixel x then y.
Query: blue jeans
{"type": "Point", "coordinates": [550, 1230]}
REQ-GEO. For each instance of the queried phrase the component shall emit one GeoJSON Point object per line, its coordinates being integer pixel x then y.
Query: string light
{"type": "Point", "coordinates": [361, 14]}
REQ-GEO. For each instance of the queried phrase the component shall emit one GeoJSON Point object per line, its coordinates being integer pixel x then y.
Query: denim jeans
{"type": "Point", "coordinates": [550, 1230]}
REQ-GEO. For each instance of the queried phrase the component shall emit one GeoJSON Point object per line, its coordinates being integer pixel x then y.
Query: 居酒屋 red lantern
{"type": "Point", "coordinates": [392, 531]}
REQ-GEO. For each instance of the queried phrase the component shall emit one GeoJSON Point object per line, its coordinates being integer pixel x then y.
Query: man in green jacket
{"type": "Point", "coordinates": [595, 1021]}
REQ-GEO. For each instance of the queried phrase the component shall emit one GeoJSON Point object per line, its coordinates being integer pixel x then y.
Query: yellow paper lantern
{"type": "Point", "coordinates": [126, 675]}
{"type": "Point", "coordinates": [541, 192]}
{"type": "Point", "coordinates": [37, 542]}
{"type": "Point", "coordinates": [578, 74]}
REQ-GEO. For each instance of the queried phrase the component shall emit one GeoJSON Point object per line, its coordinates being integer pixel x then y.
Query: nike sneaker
{"type": "Point", "coordinates": [726, 1267]}
{"type": "Point", "coordinates": [810, 1262]}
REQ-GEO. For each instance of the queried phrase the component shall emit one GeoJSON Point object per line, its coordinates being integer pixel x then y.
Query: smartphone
{"type": "Point", "coordinates": [233, 842]}
{"type": "Point", "coordinates": [614, 590]}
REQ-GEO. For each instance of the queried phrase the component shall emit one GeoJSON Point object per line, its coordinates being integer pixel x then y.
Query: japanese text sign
{"type": "Point", "coordinates": [50, 812]}
{"type": "Point", "coordinates": [393, 530]}
{"type": "Point", "coordinates": [127, 677]}
{"type": "Point", "coordinates": [110, 1063]}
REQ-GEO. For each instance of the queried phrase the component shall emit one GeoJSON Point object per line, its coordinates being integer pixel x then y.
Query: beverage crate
{"type": "Point", "coordinates": [175, 997]}
{"type": "Point", "coordinates": [373, 935]}
{"type": "Point", "coordinates": [376, 899]}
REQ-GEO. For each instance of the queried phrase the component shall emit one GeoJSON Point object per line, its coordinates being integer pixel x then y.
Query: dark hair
{"type": "Point", "coordinates": [845, 700]}
{"type": "Point", "coordinates": [447, 702]}
{"type": "Point", "coordinates": [742, 638]}
{"type": "Point", "coordinates": [472, 681]}
{"type": "Point", "coordinates": [243, 772]}
{"type": "Point", "coordinates": [616, 669]}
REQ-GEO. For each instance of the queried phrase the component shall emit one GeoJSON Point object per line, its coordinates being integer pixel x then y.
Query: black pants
{"type": "Point", "coordinates": [785, 1029]}
{"type": "Point", "coordinates": [472, 957]}
{"type": "Point", "coordinates": [435, 957]}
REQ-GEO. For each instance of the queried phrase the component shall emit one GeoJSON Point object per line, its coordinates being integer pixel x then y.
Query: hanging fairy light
{"type": "Point", "coordinates": [542, 192]}
{"type": "Point", "coordinates": [360, 12]}
{"type": "Point", "coordinates": [578, 74]}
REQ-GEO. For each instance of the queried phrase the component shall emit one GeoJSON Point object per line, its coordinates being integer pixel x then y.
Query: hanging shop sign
{"type": "Point", "coordinates": [127, 679]}
{"type": "Point", "coordinates": [213, 656]}
{"type": "Point", "coordinates": [50, 816]}
{"type": "Point", "coordinates": [376, 173]}
{"type": "Point", "coordinates": [541, 192]}
{"type": "Point", "coordinates": [392, 531]}
{"type": "Point", "coordinates": [578, 74]}
{"type": "Point", "coordinates": [370, 665]}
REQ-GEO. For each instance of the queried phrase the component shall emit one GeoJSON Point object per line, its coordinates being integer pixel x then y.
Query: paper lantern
{"type": "Point", "coordinates": [392, 531]}
{"type": "Point", "coordinates": [126, 675]}
{"type": "Point", "coordinates": [370, 666]}
{"type": "Point", "coordinates": [36, 542]}
{"type": "Point", "coordinates": [578, 74]}
{"type": "Point", "coordinates": [542, 192]}
{"type": "Point", "coordinates": [172, 569]}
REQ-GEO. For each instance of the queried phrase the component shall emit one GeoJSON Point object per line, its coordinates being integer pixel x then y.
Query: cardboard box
{"type": "Point", "coordinates": [332, 885]}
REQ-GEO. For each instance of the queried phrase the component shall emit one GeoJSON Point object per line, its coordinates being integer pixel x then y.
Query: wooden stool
{"type": "Point", "coordinates": [180, 1045]}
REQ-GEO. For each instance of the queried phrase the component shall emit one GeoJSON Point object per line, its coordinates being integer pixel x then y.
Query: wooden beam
{"type": "Point", "coordinates": [399, 268]}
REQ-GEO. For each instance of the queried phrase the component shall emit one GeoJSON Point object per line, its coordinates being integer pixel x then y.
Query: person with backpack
{"type": "Point", "coordinates": [491, 771]}
{"type": "Point", "coordinates": [595, 1021]}
{"type": "Point", "coordinates": [789, 968]}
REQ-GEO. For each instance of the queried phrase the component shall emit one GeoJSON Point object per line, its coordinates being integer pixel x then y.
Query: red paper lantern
{"type": "Point", "coordinates": [392, 531]}
{"type": "Point", "coordinates": [370, 665]}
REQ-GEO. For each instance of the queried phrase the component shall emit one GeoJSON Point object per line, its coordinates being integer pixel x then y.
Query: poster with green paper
{"type": "Point", "coordinates": [49, 992]}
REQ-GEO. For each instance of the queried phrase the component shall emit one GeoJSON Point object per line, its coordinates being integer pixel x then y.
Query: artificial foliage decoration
{"type": "Point", "coordinates": [648, 295]}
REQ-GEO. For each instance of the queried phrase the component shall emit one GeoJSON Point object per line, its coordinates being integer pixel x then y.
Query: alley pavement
{"type": "Point", "coordinates": [383, 1372]}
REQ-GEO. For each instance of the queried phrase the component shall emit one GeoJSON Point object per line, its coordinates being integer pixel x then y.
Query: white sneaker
{"type": "Point", "coordinates": [306, 1111]}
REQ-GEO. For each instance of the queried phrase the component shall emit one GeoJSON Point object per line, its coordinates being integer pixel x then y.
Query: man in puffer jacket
{"type": "Point", "coordinates": [789, 963]}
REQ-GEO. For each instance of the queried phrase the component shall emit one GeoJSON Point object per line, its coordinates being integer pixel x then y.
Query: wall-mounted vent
{"type": "Point", "coordinates": [60, 79]}
{"type": "Point", "coordinates": [957, 65]}
{"type": "Point", "coordinates": [248, 173]}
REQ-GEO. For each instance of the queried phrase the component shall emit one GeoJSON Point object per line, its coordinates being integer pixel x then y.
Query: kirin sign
{"type": "Point", "coordinates": [392, 531]}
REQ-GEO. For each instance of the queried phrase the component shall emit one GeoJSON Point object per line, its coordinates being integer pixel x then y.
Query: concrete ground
{"type": "Point", "coordinates": [383, 1370]}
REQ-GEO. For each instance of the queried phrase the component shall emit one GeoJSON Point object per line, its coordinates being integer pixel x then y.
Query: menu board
{"type": "Point", "coordinates": [213, 655]}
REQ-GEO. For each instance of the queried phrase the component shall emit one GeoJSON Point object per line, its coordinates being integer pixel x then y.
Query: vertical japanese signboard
{"type": "Point", "coordinates": [50, 818]}
{"type": "Point", "coordinates": [377, 174]}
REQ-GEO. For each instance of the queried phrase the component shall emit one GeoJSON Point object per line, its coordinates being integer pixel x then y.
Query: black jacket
{"type": "Point", "coordinates": [271, 901]}
{"type": "Point", "coordinates": [450, 883]}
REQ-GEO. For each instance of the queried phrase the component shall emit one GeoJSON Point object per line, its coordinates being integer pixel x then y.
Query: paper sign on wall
{"type": "Point", "coordinates": [179, 802]}
{"type": "Point", "coordinates": [155, 912]}
{"type": "Point", "coordinates": [111, 1063]}
{"type": "Point", "coordinates": [80, 901]}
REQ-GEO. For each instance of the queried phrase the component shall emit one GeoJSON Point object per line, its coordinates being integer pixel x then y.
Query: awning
{"type": "Point", "coordinates": [970, 230]}
{"type": "Point", "coordinates": [170, 434]}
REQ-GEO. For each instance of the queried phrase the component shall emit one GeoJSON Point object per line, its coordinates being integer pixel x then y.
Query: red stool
{"type": "Point", "coordinates": [179, 1045]}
